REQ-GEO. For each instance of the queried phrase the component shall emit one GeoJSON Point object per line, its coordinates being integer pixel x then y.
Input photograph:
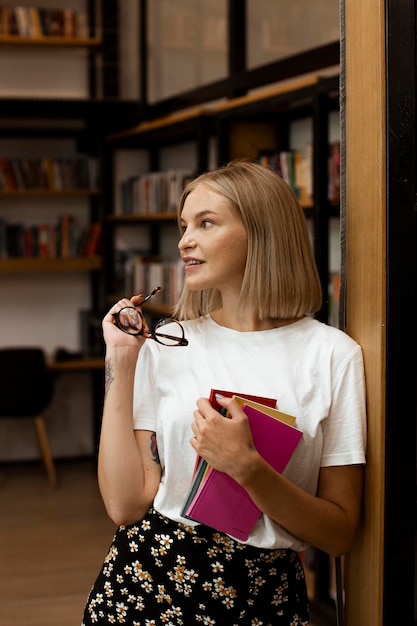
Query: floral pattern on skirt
{"type": "Point", "coordinates": [161, 573]}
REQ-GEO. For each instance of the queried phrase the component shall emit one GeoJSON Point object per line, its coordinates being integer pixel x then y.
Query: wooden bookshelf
{"type": "Point", "coordinates": [29, 265]}
{"type": "Point", "coordinates": [52, 41]}
{"type": "Point", "coordinates": [164, 123]}
{"type": "Point", "coordinates": [70, 193]}
{"type": "Point", "coordinates": [154, 217]}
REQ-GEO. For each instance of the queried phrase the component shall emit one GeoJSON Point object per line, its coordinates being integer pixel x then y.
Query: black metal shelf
{"type": "Point", "coordinates": [110, 114]}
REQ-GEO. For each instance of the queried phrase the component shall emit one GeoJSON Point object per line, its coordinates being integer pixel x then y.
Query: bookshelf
{"type": "Point", "coordinates": [10, 266]}
{"type": "Point", "coordinates": [55, 107]}
{"type": "Point", "coordinates": [30, 22]}
{"type": "Point", "coordinates": [76, 42]}
{"type": "Point", "coordinates": [59, 96]}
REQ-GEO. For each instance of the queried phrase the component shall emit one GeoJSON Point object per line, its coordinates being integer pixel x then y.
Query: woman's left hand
{"type": "Point", "coordinates": [223, 442]}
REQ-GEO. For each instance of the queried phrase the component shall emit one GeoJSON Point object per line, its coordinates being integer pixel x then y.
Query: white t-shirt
{"type": "Point", "coordinates": [315, 372]}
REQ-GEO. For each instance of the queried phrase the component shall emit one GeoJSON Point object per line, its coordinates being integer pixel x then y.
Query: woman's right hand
{"type": "Point", "coordinates": [115, 337]}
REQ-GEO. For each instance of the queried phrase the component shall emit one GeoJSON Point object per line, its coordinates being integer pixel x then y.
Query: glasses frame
{"type": "Point", "coordinates": [147, 334]}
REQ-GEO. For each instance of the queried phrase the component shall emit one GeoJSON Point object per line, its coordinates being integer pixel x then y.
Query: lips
{"type": "Point", "coordinates": [190, 262]}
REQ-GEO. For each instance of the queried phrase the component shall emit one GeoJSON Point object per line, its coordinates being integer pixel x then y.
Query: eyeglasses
{"type": "Point", "coordinates": [131, 321]}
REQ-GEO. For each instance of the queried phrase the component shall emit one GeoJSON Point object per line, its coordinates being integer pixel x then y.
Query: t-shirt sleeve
{"type": "Point", "coordinates": [144, 405]}
{"type": "Point", "coordinates": [344, 430]}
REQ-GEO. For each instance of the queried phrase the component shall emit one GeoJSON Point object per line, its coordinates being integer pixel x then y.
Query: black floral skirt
{"type": "Point", "coordinates": [158, 572]}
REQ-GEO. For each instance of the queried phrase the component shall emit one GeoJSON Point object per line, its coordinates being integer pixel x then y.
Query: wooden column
{"type": "Point", "coordinates": [366, 283]}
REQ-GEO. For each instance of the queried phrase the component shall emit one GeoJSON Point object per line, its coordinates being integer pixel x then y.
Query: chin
{"type": "Point", "coordinates": [194, 285]}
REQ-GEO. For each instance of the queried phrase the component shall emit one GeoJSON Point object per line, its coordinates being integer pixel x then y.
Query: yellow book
{"type": "Point", "coordinates": [275, 413]}
{"type": "Point", "coordinates": [35, 22]}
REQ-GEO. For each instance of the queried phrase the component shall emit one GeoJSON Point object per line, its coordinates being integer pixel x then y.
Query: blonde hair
{"type": "Point", "coordinates": [280, 275]}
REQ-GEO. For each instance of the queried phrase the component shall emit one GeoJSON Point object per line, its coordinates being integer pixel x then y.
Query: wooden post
{"type": "Point", "coordinates": [365, 111]}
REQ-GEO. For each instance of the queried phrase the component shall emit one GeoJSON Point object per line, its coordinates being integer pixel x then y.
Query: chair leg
{"type": "Point", "coordinates": [45, 450]}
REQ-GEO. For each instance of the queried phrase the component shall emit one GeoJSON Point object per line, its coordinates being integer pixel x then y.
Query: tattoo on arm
{"type": "Point", "coordinates": [154, 449]}
{"type": "Point", "coordinates": [108, 376]}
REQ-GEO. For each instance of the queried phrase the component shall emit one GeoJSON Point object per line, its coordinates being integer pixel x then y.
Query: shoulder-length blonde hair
{"type": "Point", "coordinates": [280, 277]}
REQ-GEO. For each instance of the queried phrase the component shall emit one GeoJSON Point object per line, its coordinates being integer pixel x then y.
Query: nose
{"type": "Point", "coordinates": [186, 241]}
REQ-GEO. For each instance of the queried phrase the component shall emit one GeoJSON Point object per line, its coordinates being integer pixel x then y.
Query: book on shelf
{"type": "Point", "coordinates": [91, 242]}
{"type": "Point", "coordinates": [57, 174]}
{"type": "Point", "coordinates": [62, 239]}
{"type": "Point", "coordinates": [22, 21]}
{"type": "Point", "coordinates": [8, 22]}
{"type": "Point", "coordinates": [169, 274]}
{"type": "Point", "coordinates": [152, 193]}
{"type": "Point", "coordinates": [35, 22]}
{"type": "Point", "coordinates": [17, 173]}
{"type": "Point", "coordinates": [216, 499]}
{"type": "Point", "coordinates": [138, 271]}
{"type": "Point", "coordinates": [7, 178]}
{"type": "Point", "coordinates": [294, 166]}
{"type": "Point", "coordinates": [32, 21]}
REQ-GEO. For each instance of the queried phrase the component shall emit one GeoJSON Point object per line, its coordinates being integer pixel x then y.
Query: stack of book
{"type": "Point", "coordinates": [216, 499]}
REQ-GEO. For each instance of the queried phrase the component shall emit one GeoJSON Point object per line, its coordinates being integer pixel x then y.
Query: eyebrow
{"type": "Point", "coordinates": [200, 214]}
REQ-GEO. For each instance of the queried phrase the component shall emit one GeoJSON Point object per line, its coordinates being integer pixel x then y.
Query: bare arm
{"type": "Point", "coordinates": [128, 465]}
{"type": "Point", "coordinates": [327, 521]}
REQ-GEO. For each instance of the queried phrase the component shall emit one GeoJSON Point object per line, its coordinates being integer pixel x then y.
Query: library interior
{"type": "Point", "coordinates": [108, 108]}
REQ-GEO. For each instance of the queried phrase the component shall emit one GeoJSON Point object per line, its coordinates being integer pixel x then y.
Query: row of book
{"type": "Point", "coordinates": [296, 168]}
{"type": "Point", "coordinates": [153, 192]}
{"type": "Point", "coordinates": [63, 239]}
{"type": "Point", "coordinates": [31, 21]}
{"type": "Point", "coordinates": [47, 173]}
{"type": "Point", "coordinates": [139, 272]}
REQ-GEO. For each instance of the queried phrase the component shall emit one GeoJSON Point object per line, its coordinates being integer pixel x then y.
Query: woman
{"type": "Point", "coordinates": [250, 282]}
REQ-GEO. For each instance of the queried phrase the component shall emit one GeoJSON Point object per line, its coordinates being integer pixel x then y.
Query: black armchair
{"type": "Point", "coordinates": [26, 388]}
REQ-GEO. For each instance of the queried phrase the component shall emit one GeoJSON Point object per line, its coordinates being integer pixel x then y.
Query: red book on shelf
{"type": "Point", "coordinates": [93, 243]}
{"type": "Point", "coordinates": [216, 499]}
{"type": "Point", "coordinates": [43, 234]}
{"type": "Point", "coordinates": [8, 175]}
{"type": "Point", "coordinates": [65, 228]}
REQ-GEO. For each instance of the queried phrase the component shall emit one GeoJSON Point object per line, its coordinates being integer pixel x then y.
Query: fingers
{"type": "Point", "coordinates": [207, 420]}
{"type": "Point", "coordinates": [137, 299]}
{"type": "Point", "coordinates": [123, 316]}
{"type": "Point", "coordinates": [117, 306]}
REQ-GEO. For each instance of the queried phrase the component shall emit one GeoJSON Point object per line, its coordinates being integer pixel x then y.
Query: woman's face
{"type": "Point", "coordinates": [214, 242]}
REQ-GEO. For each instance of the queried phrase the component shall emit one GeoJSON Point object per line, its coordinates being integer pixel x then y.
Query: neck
{"type": "Point", "coordinates": [248, 322]}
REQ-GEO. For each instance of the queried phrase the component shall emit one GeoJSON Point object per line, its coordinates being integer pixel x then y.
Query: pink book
{"type": "Point", "coordinates": [220, 501]}
{"type": "Point", "coordinates": [268, 402]}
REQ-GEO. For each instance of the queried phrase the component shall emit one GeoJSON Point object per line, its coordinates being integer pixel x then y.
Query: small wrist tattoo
{"type": "Point", "coordinates": [108, 376]}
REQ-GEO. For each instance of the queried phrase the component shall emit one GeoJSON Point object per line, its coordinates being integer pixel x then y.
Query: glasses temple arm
{"type": "Point", "coordinates": [181, 341]}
